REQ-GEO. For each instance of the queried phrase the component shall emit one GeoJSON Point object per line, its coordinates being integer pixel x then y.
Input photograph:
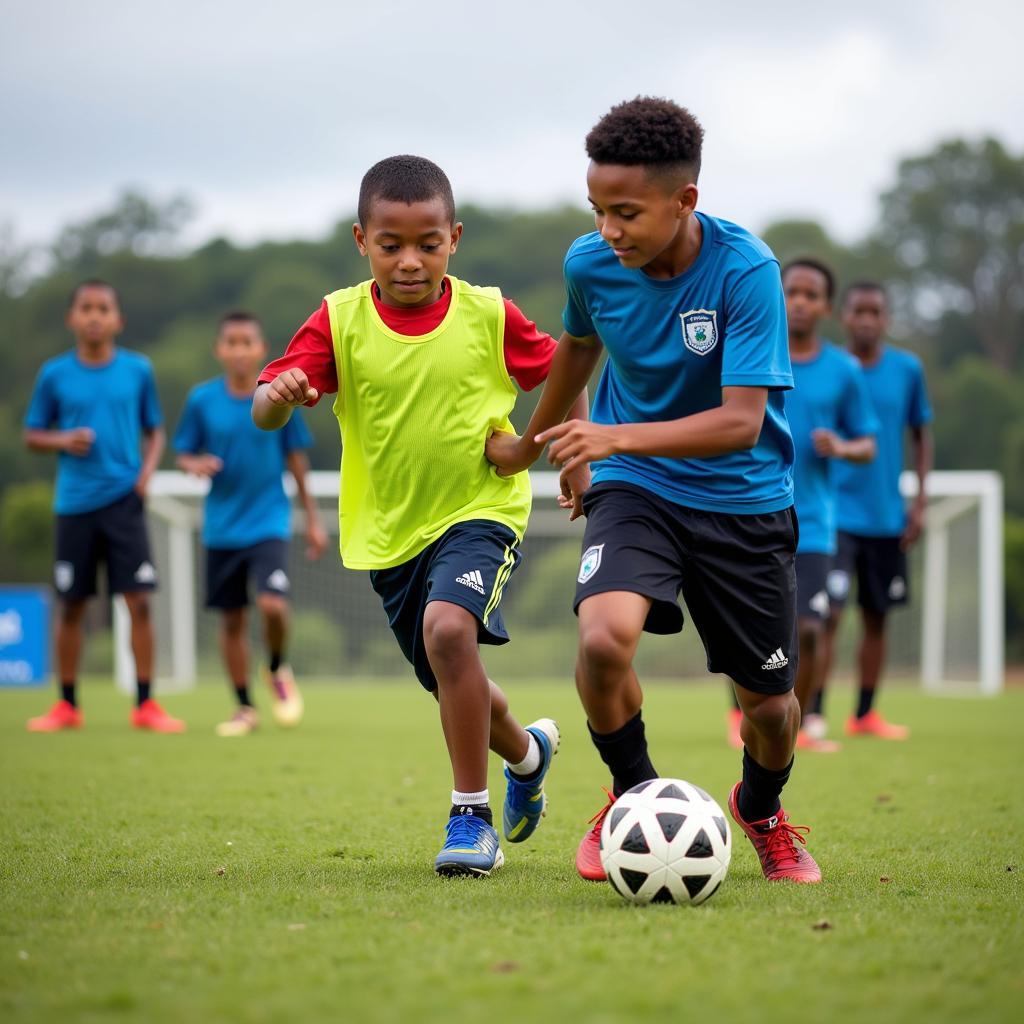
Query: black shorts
{"type": "Point", "coordinates": [229, 570]}
{"type": "Point", "coordinates": [812, 575]}
{"type": "Point", "coordinates": [878, 564]}
{"type": "Point", "coordinates": [468, 565]}
{"type": "Point", "coordinates": [115, 535]}
{"type": "Point", "coordinates": [735, 572]}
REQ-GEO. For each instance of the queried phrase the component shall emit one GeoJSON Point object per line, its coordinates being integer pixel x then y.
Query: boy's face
{"type": "Point", "coordinates": [408, 245]}
{"type": "Point", "coordinates": [865, 317]}
{"type": "Point", "coordinates": [639, 216]}
{"type": "Point", "coordinates": [806, 300]}
{"type": "Point", "coordinates": [240, 348]}
{"type": "Point", "coordinates": [94, 316]}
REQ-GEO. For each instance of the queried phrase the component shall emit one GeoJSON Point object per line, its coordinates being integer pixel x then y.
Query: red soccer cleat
{"type": "Point", "coordinates": [733, 718]}
{"type": "Point", "coordinates": [588, 853]}
{"type": "Point", "coordinates": [805, 741]}
{"type": "Point", "coordinates": [775, 842]}
{"type": "Point", "coordinates": [149, 715]}
{"type": "Point", "coordinates": [63, 715]}
{"type": "Point", "coordinates": [873, 724]}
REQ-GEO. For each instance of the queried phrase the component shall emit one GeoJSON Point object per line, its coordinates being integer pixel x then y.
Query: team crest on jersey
{"type": "Point", "coordinates": [590, 562]}
{"type": "Point", "coordinates": [700, 330]}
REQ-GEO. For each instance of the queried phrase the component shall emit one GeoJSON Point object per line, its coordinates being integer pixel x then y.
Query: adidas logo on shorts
{"type": "Point", "coordinates": [472, 579]}
{"type": "Point", "coordinates": [278, 580]}
{"type": "Point", "coordinates": [145, 573]}
{"type": "Point", "coordinates": [776, 660]}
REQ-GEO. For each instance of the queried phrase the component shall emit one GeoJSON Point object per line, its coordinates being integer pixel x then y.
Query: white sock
{"type": "Point", "coordinates": [530, 762]}
{"type": "Point", "coordinates": [469, 799]}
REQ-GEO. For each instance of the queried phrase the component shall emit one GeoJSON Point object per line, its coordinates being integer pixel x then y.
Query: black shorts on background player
{"type": "Point", "coordinates": [735, 572]}
{"type": "Point", "coordinates": [116, 535]}
{"type": "Point", "coordinates": [878, 564]}
{"type": "Point", "coordinates": [812, 576]}
{"type": "Point", "coordinates": [228, 571]}
{"type": "Point", "coordinates": [468, 565]}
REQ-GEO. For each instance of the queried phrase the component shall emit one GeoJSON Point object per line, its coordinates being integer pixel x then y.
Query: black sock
{"type": "Point", "coordinates": [67, 692]}
{"type": "Point", "coordinates": [141, 692]}
{"type": "Point", "coordinates": [817, 703]}
{"type": "Point", "coordinates": [759, 792]}
{"type": "Point", "coordinates": [625, 753]}
{"type": "Point", "coordinates": [242, 693]}
{"type": "Point", "coordinates": [865, 699]}
{"type": "Point", "coordinates": [275, 661]}
{"type": "Point", "coordinates": [477, 810]}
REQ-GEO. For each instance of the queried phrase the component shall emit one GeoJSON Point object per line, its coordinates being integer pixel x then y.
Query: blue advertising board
{"type": "Point", "coordinates": [24, 636]}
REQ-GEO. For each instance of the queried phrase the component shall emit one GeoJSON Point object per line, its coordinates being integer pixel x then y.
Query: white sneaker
{"type": "Point", "coordinates": [815, 726]}
{"type": "Point", "coordinates": [244, 721]}
{"type": "Point", "coordinates": [287, 705]}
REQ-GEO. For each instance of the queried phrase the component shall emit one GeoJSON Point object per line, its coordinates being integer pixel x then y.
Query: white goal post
{"type": "Point", "coordinates": [952, 635]}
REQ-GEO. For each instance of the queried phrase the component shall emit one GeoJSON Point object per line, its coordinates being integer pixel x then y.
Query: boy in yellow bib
{"type": "Point", "coordinates": [423, 364]}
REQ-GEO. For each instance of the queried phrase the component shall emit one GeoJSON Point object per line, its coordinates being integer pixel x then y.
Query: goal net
{"type": "Point", "coordinates": [950, 636]}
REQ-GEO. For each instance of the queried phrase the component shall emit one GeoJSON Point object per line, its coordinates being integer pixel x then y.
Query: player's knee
{"type": "Point", "coordinates": [772, 715]}
{"type": "Point", "coordinates": [448, 631]}
{"type": "Point", "coordinates": [138, 606]}
{"type": "Point", "coordinates": [233, 623]}
{"type": "Point", "coordinates": [810, 632]}
{"type": "Point", "coordinates": [272, 607]}
{"type": "Point", "coordinates": [72, 612]}
{"type": "Point", "coordinates": [603, 649]}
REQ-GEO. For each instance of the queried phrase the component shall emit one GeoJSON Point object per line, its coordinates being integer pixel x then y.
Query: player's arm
{"type": "Point", "coordinates": [274, 403]}
{"type": "Point", "coordinates": [921, 448]}
{"type": "Point", "coordinates": [153, 442]}
{"type": "Point", "coordinates": [76, 441]}
{"type": "Point", "coordinates": [316, 536]}
{"type": "Point", "coordinates": [829, 445]}
{"type": "Point", "coordinates": [733, 426]}
{"type": "Point", "coordinates": [202, 465]}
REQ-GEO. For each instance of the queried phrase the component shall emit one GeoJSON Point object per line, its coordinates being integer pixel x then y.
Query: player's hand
{"type": "Point", "coordinates": [509, 453]}
{"type": "Point", "coordinates": [576, 442]}
{"type": "Point", "coordinates": [205, 465]}
{"type": "Point", "coordinates": [316, 540]}
{"type": "Point", "coordinates": [574, 484]}
{"type": "Point", "coordinates": [142, 485]}
{"type": "Point", "coordinates": [827, 443]}
{"type": "Point", "coordinates": [78, 441]}
{"type": "Point", "coordinates": [914, 528]}
{"type": "Point", "coordinates": [291, 387]}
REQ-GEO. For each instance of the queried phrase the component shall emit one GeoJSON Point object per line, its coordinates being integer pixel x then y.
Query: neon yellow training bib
{"type": "Point", "coordinates": [414, 414]}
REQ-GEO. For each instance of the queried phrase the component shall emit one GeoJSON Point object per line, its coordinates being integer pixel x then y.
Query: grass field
{"type": "Point", "coordinates": [288, 876]}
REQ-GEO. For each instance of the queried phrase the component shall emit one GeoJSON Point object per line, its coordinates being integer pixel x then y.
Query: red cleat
{"type": "Point", "coordinates": [775, 842]}
{"type": "Point", "coordinates": [804, 741]}
{"type": "Point", "coordinates": [873, 724]}
{"type": "Point", "coordinates": [149, 715]}
{"type": "Point", "coordinates": [588, 853]}
{"type": "Point", "coordinates": [63, 715]}
{"type": "Point", "coordinates": [733, 718]}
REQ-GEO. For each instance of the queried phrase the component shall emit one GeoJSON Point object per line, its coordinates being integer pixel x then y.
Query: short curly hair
{"type": "Point", "coordinates": [649, 131]}
{"type": "Point", "coordinates": [405, 179]}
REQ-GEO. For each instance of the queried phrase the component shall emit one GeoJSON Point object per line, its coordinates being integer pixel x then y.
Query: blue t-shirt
{"type": "Point", "coordinates": [869, 501]}
{"type": "Point", "coordinates": [673, 345]}
{"type": "Point", "coordinates": [829, 392]}
{"type": "Point", "coordinates": [118, 401]}
{"type": "Point", "coordinates": [247, 502]}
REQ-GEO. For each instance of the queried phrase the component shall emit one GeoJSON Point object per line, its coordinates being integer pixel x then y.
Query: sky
{"type": "Point", "coordinates": [267, 114]}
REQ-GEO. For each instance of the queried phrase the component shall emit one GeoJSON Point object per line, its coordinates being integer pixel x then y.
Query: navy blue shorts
{"type": "Point", "coordinates": [228, 571]}
{"type": "Point", "coordinates": [812, 572]}
{"type": "Point", "coordinates": [468, 565]}
{"type": "Point", "coordinates": [878, 564]}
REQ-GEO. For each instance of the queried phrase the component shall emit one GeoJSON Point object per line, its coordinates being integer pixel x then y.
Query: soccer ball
{"type": "Point", "coordinates": [665, 841]}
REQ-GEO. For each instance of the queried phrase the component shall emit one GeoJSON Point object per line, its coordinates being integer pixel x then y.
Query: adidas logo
{"type": "Point", "coordinates": [472, 579]}
{"type": "Point", "coordinates": [145, 573]}
{"type": "Point", "coordinates": [776, 660]}
{"type": "Point", "coordinates": [278, 580]}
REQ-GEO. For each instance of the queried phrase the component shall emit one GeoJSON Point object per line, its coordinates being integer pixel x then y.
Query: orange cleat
{"type": "Point", "coordinates": [805, 741]}
{"type": "Point", "coordinates": [63, 715]}
{"type": "Point", "coordinates": [588, 853]}
{"type": "Point", "coordinates": [873, 724]}
{"type": "Point", "coordinates": [775, 842]}
{"type": "Point", "coordinates": [149, 715]}
{"type": "Point", "coordinates": [733, 718]}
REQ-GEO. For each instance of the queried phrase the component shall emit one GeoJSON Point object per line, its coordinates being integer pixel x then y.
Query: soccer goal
{"type": "Point", "coordinates": [950, 636]}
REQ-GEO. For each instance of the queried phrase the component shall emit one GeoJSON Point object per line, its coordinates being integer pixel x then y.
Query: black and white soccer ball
{"type": "Point", "coordinates": [665, 841]}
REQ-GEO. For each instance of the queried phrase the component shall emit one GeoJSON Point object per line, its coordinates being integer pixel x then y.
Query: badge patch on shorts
{"type": "Point", "coordinates": [590, 563]}
{"type": "Point", "coordinates": [838, 584]}
{"type": "Point", "coordinates": [63, 575]}
{"type": "Point", "coordinates": [700, 330]}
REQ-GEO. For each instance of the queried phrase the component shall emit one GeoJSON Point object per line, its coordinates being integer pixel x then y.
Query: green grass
{"type": "Point", "coordinates": [288, 877]}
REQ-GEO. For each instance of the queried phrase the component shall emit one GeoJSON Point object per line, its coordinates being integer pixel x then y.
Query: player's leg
{"type": "Point", "coordinates": [812, 611]}
{"type": "Point", "coordinates": [837, 584]}
{"type": "Point", "coordinates": [268, 566]}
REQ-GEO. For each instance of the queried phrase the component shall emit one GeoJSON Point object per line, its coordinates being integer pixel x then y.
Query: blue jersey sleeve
{"type": "Point", "coordinates": [189, 438]}
{"type": "Point", "coordinates": [856, 413]}
{"type": "Point", "coordinates": [575, 317]}
{"type": "Point", "coordinates": [295, 435]}
{"type": "Point", "coordinates": [42, 407]}
{"type": "Point", "coordinates": [756, 350]}
{"type": "Point", "coordinates": [919, 411]}
{"type": "Point", "coordinates": [151, 414]}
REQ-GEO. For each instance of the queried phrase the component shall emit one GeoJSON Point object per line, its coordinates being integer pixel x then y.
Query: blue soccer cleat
{"type": "Point", "coordinates": [525, 802]}
{"type": "Point", "coordinates": [470, 848]}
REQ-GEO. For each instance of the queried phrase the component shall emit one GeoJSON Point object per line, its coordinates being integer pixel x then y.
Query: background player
{"type": "Point", "coordinates": [875, 528]}
{"type": "Point", "coordinates": [423, 364]}
{"type": "Point", "coordinates": [97, 407]}
{"type": "Point", "coordinates": [247, 514]}
{"type": "Point", "coordinates": [693, 460]}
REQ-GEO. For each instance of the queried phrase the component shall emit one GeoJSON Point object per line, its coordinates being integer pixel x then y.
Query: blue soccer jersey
{"type": "Point", "coordinates": [869, 501]}
{"type": "Point", "coordinates": [118, 402]}
{"type": "Point", "coordinates": [829, 393]}
{"type": "Point", "coordinates": [673, 345]}
{"type": "Point", "coordinates": [247, 502]}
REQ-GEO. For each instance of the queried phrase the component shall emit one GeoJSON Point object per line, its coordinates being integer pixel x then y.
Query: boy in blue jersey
{"type": "Point", "coordinates": [247, 514]}
{"type": "Point", "coordinates": [97, 407]}
{"type": "Point", "coordinates": [875, 528]}
{"type": "Point", "coordinates": [693, 488]}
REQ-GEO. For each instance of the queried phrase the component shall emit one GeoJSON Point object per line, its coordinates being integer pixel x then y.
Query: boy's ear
{"type": "Point", "coordinates": [456, 235]}
{"type": "Point", "coordinates": [686, 199]}
{"type": "Point", "coordinates": [359, 235]}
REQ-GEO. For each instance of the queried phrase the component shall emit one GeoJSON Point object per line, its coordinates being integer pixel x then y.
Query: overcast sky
{"type": "Point", "coordinates": [267, 114]}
